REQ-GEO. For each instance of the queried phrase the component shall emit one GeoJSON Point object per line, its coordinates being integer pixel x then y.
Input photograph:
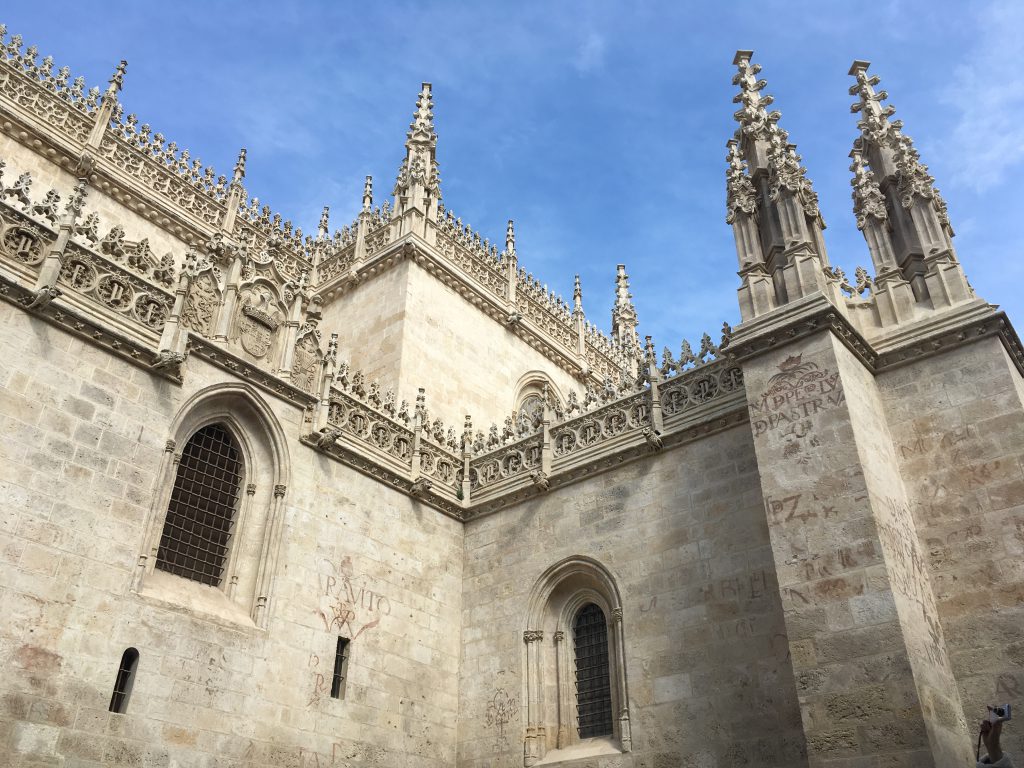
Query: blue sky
{"type": "Point", "coordinates": [600, 127]}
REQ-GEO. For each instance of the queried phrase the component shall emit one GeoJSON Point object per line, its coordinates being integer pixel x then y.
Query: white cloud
{"type": "Point", "coordinates": [590, 54]}
{"type": "Point", "coordinates": [987, 90]}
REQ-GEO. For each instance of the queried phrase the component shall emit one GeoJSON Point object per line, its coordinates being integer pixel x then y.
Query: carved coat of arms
{"type": "Point", "coordinates": [307, 361]}
{"type": "Point", "coordinates": [256, 324]}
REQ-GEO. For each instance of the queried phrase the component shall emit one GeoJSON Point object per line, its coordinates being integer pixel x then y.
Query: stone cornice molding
{"type": "Point", "coordinates": [931, 336]}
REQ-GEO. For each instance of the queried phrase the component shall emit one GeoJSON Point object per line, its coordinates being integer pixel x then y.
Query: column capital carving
{"type": "Point", "coordinates": [250, 489]}
{"type": "Point", "coordinates": [279, 491]}
{"type": "Point", "coordinates": [169, 446]}
{"type": "Point", "coordinates": [533, 635]}
{"type": "Point", "coordinates": [559, 636]}
{"type": "Point", "coordinates": [617, 615]}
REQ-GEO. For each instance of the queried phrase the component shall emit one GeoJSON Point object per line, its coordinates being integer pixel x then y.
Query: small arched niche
{"type": "Point", "coordinates": [529, 398]}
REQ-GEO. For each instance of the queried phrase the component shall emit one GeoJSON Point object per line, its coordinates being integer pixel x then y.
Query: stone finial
{"type": "Point", "coordinates": [324, 226]}
{"type": "Point", "coordinates": [368, 193]}
{"type": "Point", "coordinates": [874, 123]}
{"type": "Point", "coordinates": [332, 348]}
{"type": "Point", "coordinates": [422, 125]}
{"type": "Point", "coordinates": [421, 403]}
{"type": "Point", "coordinates": [650, 353]}
{"type": "Point", "coordinates": [510, 238]}
{"type": "Point", "coordinates": [753, 115]}
{"type": "Point", "coordinates": [77, 199]}
{"type": "Point", "coordinates": [577, 297]}
{"type": "Point", "coordinates": [239, 172]}
{"type": "Point", "coordinates": [117, 79]}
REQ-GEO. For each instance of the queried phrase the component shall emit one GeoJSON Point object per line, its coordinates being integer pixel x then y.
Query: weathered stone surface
{"type": "Point", "coordinates": [805, 542]}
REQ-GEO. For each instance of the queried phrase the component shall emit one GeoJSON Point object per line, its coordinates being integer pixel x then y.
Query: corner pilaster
{"type": "Point", "coordinates": [868, 654]}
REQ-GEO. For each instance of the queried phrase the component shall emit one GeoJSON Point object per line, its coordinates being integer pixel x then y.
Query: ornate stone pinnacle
{"type": "Point", "coordinates": [117, 79]}
{"type": "Point", "coordinates": [510, 238]}
{"type": "Point", "coordinates": [368, 193]}
{"type": "Point", "coordinates": [239, 172]}
{"type": "Point", "coordinates": [577, 296]}
{"type": "Point", "coordinates": [324, 223]}
{"type": "Point", "coordinates": [740, 192]}
{"type": "Point", "coordinates": [868, 199]}
{"type": "Point", "coordinates": [785, 172]}
{"type": "Point", "coordinates": [753, 116]}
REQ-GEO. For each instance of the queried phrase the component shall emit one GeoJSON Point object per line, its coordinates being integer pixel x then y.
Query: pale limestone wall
{"type": "Point", "coordinates": [81, 440]}
{"type": "Point", "coordinates": [957, 422]}
{"type": "Point", "coordinates": [685, 537]}
{"type": "Point", "coordinates": [467, 361]}
{"type": "Point", "coordinates": [46, 175]}
{"type": "Point", "coordinates": [370, 321]}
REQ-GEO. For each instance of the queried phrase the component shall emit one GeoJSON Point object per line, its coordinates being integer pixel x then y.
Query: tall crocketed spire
{"type": "Point", "coordinates": [239, 172]}
{"type": "Point", "coordinates": [771, 203]}
{"type": "Point", "coordinates": [577, 297]}
{"type": "Point", "coordinates": [921, 233]}
{"type": "Point", "coordinates": [510, 239]}
{"type": "Point", "coordinates": [419, 184]}
{"type": "Point", "coordinates": [624, 318]}
{"type": "Point", "coordinates": [368, 193]}
{"type": "Point", "coordinates": [322, 230]}
{"type": "Point", "coordinates": [116, 81]}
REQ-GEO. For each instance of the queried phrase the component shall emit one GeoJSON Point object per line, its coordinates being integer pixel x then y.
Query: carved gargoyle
{"type": "Point", "coordinates": [420, 487]}
{"type": "Point", "coordinates": [168, 360]}
{"type": "Point", "coordinates": [540, 480]}
{"type": "Point", "coordinates": [653, 438]}
{"type": "Point", "coordinates": [44, 296]}
{"type": "Point", "coordinates": [326, 437]}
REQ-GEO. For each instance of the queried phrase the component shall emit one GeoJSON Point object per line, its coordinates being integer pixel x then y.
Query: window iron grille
{"type": "Point", "coordinates": [340, 669]}
{"type": "Point", "coordinates": [201, 513]}
{"type": "Point", "coordinates": [593, 685]}
{"type": "Point", "coordinates": [124, 681]}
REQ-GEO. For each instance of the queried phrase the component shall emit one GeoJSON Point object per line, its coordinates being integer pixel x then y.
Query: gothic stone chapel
{"type": "Point", "coordinates": [248, 521]}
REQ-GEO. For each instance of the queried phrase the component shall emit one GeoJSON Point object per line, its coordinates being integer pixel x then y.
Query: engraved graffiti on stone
{"type": "Point", "coordinates": [798, 391]}
{"type": "Point", "coordinates": [501, 710]}
{"type": "Point", "coordinates": [349, 604]}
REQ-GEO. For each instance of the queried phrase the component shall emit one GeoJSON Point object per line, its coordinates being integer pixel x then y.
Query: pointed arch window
{"type": "Point", "coordinates": [593, 686]}
{"type": "Point", "coordinates": [201, 513]}
{"type": "Point", "coordinates": [124, 681]}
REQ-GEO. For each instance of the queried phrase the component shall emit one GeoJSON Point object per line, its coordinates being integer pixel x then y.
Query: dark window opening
{"type": "Point", "coordinates": [201, 514]}
{"type": "Point", "coordinates": [340, 669]}
{"type": "Point", "coordinates": [125, 680]}
{"type": "Point", "coordinates": [593, 687]}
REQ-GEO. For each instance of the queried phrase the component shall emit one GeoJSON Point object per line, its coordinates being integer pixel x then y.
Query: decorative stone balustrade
{"type": "Point", "coordinates": [34, 87]}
